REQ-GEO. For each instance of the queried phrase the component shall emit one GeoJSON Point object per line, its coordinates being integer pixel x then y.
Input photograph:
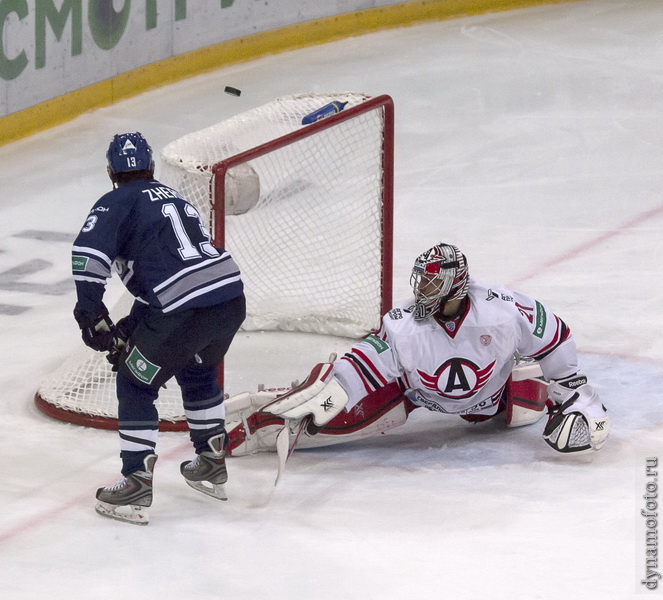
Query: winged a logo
{"type": "Point", "coordinates": [457, 378]}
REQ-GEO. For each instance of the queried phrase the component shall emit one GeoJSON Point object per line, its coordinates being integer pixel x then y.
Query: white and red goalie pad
{"type": "Point", "coordinates": [526, 395]}
{"type": "Point", "coordinates": [250, 430]}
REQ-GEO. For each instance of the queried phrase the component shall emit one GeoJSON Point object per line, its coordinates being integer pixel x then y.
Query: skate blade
{"type": "Point", "coordinates": [215, 490]}
{"type": "Point", "coordinates": [130, 513]}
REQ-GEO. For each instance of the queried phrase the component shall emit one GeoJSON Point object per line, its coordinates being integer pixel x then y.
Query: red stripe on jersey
{"type": "Point", "coordinates": [368, 387]}
{"type": "Point", "coordinates": [406, 381]}
{"type": "Point", "coordinates": [370, 366]}
{"type": "Point", "coordinates": [557, 339]}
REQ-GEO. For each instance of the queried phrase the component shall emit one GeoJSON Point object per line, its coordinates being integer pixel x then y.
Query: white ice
{"type": "Point", "coordinates": [533, 139]}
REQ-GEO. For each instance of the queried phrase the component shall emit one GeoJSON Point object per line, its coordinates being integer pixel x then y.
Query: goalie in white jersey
{"type": "Point", "coordinates": [453, 350]}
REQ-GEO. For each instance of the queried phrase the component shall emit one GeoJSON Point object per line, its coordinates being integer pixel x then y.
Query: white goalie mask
{"type": "Point", "coordinates": [439, 275]}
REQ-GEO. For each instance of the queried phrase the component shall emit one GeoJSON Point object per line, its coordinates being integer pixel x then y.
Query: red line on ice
{"type": "Point", "coordinates": [589, 244]}
{"type": "Point", "coordinates": [46, 516]}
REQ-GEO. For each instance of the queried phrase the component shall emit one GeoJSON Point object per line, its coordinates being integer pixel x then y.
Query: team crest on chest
{"type": "Point", "coordinates": [457, 378]}
{"type": "Point", "coordinates": [486, 340]}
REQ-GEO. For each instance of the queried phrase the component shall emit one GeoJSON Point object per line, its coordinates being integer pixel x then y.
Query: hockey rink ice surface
{"type": "Point", "coordinates": [532, 139]}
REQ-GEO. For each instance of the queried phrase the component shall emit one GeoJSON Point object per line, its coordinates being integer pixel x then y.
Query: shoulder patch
{"type": "Point", "coordinates": [79, 263]}
{"type": "Point", "coordinates": [540, 320]}
{"type": "Point", "coordinates": [395, 314]}
{"type": "Point", "coordinates": [379, 345]}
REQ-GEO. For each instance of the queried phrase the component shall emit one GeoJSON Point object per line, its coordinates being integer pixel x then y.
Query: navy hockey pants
{"type": "Point", "coordinates": [188, 346]}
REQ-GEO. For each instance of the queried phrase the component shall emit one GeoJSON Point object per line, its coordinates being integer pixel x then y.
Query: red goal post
{"type": "Point", "coordinates": [305, 210]}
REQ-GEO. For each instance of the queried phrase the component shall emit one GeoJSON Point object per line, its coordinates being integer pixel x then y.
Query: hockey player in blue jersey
{"type": "Point", "coordinates": [189, 304]}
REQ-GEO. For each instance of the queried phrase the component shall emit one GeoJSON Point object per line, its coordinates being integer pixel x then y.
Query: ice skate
{"type": "Point", "coordinates": [207, 472]}
{"type": "Point", "coordinates": [129, 498]}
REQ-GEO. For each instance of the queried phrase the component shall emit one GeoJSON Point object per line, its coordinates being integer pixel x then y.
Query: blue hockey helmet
{"type": "Point", "coordinates": [129, 152]}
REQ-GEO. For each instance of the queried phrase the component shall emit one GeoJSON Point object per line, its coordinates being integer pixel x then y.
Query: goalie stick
{"type": "Point", "coordinates": [297, 420]}
{"type": "Point", "coordinates": [286, 440]}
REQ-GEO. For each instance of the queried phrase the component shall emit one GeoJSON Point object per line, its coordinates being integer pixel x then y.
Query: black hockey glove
{"type": "Point", "coordinates": [121, 333]}
{"type": "Point", "coordinates": [97, 332]}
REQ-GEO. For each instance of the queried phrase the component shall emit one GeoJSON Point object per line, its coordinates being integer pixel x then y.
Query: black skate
{"type": "Point", "coordinates": [207, 472]}
{"type": "Point", "coordinates": [128, 499]}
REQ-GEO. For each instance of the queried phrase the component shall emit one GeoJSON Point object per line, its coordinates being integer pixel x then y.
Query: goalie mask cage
{"type": "Point", "coordinates": [306, 212]}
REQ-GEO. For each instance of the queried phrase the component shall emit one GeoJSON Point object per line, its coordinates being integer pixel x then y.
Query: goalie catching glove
{"type": "Point", "coordinates": [320, 397]}
{"type": "Point", "coordinates": [579, 421]}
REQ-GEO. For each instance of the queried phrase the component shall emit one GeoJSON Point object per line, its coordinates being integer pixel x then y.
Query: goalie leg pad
{"type": "Point", "coordinates": [526, 401]}
{"type": "Point", "coordinates": [382, 410]}
{"type": "Point", "coordinates": [251, 431]}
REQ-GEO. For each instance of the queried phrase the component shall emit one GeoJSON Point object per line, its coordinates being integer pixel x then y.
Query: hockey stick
{"type": "Point", "coordinates": [286, 440]}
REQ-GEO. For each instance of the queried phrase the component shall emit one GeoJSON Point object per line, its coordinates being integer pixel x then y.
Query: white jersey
{"type": "Point", "coordinates": [459, 367]}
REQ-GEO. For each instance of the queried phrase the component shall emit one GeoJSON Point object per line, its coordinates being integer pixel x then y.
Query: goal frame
{"type": "Point", "coordinates": [219, 170]}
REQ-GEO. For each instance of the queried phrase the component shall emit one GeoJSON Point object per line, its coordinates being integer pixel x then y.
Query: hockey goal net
{"type": "Point", "coordinates": [305, 210]}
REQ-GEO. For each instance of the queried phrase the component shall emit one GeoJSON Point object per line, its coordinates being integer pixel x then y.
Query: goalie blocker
{"type": "Point", "coordinates": [253, 420]}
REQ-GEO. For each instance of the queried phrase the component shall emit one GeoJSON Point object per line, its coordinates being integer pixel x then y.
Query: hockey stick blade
{"type": "Point", "coordinates": [282, 446]}
{"type": "Point", "coordinates": [286, 442]}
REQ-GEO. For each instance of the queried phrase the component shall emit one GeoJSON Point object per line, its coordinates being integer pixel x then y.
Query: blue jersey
{"type": "Point", "coordinates": [159, 246]}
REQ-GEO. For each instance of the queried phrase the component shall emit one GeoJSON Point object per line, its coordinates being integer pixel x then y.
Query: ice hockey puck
{"type": "Point", "coordinates": [232, 91]}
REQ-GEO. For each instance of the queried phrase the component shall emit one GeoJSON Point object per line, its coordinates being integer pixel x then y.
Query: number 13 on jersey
{"type": "Point", "coordinates": [188, 249]}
